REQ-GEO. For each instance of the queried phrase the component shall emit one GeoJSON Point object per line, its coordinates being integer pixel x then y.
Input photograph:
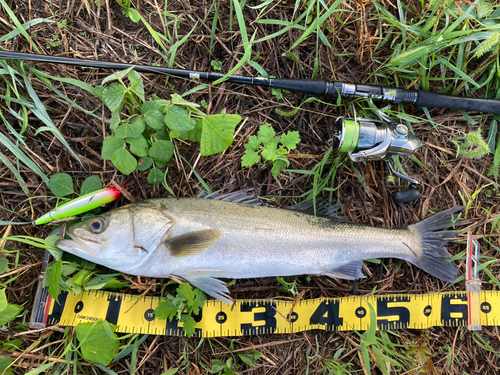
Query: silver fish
{"type": "Point", "coordinates": [199, 240]}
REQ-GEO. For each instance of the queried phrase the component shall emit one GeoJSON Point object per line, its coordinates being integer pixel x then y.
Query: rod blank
{"type": "Point", "coordinates": [317, 87]}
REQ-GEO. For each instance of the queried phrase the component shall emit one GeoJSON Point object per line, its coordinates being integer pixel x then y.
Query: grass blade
{"type": "Point", "coordinates": [20, 27]}
{"type": "Point", "coordinates": [15, 172]}
{"type": "Point", "coordinates": [24, 26]}
{"type": "Point", "coordinates": [40, 112]}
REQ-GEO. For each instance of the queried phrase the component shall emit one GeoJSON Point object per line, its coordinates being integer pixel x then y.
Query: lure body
{"type": "Point", "coordinates": [81, 204]}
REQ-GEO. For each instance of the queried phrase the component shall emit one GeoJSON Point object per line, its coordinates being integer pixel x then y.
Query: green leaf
{"type": "Point", "coordinates": [144, 163]}
{"type": "Point", "coordinates": [124, 161]}
{"type": "Point", "coordinates": [484, 9]}
{"type": "Point", "coordinates": [134, 15]}
{"type": "Point", "coordinates": [218, 366]}
{"type": "Point", "coordinates": [4, 266]}
{"type": "Point", "coordinates": [80, 277]}
{"type": "Point", "coordinates": [162, 151]}
{"type": "Point", "coordinates": [136, 84]}
{"type": "Point", "coordinates": [199, 300]}
{"type": "Point", "coordinates": [104, 281]}
{"type": "Point", "coordinates": [73, 287]}
{"type": "Point", "coordinates": [110, 145]}
{"type": "Point", "coordinates": [116, 118]}
{"type": "Point", "coordinates": [253, 143]}
{"type": "Point", "coordinates": [179, 100]}
{"type": "Point", "coordinates": [3, 300]}
{"type": "Point", "coordinates": [69, 268]}
{"type": "Point", "coordinates": [277, 167]}
{"type": "Point", "coordinates": [217, 133]}
{"type": "Point", "coordinates": [270, 152]}
{"type": "Point", "coordinates": [113, 96]}
{"type": "Point", "coordinates": [266, 134]}
{"type": "Point", "coordinates": [162, 134]}
{"type": "Point", "coordinates": [185, 291]}
{"type": "Point", "coordinates": [96, 345]}
{"type": "Point", "coordinates": [217, 65]}
{"type": "Point", "coordinates": [166, 310]}
{"type": "Point", "coordinates": [153, 105]}
{"type": "Point", "coordinates": [155, 119]}
{"type": "Point", "coordinates": [11, 344]}
{"type": "Point", "coordinates": [177, 118]}
{"type": "Point", "coordinates": [155, 177]}
{"type": "Point", "coordinates": [119, 75]}
{"type": "Point", "coordinates": [191, 135]}
{"type": "Point", "coordinates": [133, 129]}
{"type": "Point", "coordinates": [10, 313]}
{"type": "Point", "coordinates": [290, 140]}
{"type": "Point", "coordinates": [250, 357]}
{"type": "Point", "coordinates": [172, 371]}
{"type": "Point", "coordinates": [4, 363]}
{"type": "Point", "coordinates": [42, 369]}
{"type": "Point", "coordinates": [53, 275]}
{"type": "Point", "coordinates": [61, 184]}
{"type": "Point", "coordinates": [250, 158]}
{"type": "Point", "coordinates": [91, 184]}
{"type": "Point", "coordinates": [189, 325]}
{"type": "Point", "coordinates": [98, 90]}
{"type": "Point", "coordinates": [138, 146]}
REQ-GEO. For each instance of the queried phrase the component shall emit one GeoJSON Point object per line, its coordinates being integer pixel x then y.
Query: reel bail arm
{"type": "Point", "coordinates": [365, 139]}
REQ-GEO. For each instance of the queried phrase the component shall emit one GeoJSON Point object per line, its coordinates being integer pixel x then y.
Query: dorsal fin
{"type": "Point", "coordinates": [246, 197]}
{"type": "Point", "coordinates": [322, 209]}
{"type": "Point", "coordinates": [239, 196]}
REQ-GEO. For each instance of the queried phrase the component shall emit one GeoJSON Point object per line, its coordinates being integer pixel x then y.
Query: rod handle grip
{"type": "Point", "coordinates": [434, 100]}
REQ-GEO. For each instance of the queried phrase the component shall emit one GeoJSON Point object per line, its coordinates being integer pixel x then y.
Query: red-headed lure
{"type": "Point", "coordinates": [81, 204]}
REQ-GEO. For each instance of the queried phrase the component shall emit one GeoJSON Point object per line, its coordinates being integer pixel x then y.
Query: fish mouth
{"type": "Point", "coordinates": [78, 245]}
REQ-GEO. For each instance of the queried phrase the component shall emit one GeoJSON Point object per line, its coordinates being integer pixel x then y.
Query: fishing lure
{"type": "Point", "coordinates": [81, 204]}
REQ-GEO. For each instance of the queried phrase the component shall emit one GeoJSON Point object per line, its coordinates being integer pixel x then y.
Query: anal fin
{"type": "Point", "coordinates": [205, 280]}
{"type": "Point", "coordinates": [349, 271]}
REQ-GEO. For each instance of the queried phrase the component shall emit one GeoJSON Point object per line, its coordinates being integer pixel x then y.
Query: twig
{"type": "Point", "coordinates": [17, 270]}
{"type": "Point", "coordinates": [253, 347]}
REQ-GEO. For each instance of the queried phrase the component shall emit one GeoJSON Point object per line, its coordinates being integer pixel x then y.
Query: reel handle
{"type": "Point", "coordinates": [410, 194]}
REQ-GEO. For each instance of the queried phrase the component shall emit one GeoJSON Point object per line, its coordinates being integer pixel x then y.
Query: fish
{"type": "Point", "coordinates": [234, 236]}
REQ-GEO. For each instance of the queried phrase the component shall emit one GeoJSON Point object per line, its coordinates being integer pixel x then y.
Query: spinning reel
{"type": "Point", "coordinates": [365, 140]}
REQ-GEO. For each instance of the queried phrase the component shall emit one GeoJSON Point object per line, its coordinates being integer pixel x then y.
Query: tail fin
{"type": "Point", "coordinates": [434, 244]}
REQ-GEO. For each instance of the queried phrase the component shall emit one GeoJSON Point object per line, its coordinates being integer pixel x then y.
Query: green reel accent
{"type": "Point", "coordinates": [351, 136]}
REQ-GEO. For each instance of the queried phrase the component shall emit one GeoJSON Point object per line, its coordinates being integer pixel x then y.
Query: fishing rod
{"type": "Point", "coordinates": [418, 98]}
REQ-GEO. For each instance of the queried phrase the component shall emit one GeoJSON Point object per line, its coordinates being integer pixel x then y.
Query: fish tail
{"type": "Point", "coordinates": [432, 258]}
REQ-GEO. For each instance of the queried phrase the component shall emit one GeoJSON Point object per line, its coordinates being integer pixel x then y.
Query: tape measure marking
{"type": "Point", "coordinates": [253, 317]}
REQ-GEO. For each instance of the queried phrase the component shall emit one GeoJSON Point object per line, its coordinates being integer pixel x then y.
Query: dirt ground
{"type": "Point", "coordinates": [102, 31]}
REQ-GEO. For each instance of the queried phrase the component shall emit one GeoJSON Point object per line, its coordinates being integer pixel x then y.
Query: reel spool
{"type": "Point", "coordinates": [364, 140]}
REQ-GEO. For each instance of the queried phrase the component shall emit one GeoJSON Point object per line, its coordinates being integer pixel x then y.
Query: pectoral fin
{"type": "Point", "coordinates": [349, 271]}
{"type": "Point", "coordinates": [192, 243]}
{"type": "Point", "coordinates": [204, 279]}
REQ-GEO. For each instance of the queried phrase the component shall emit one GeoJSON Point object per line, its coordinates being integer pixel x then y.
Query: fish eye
{"type": "Point", "coordinates": [97, 225]}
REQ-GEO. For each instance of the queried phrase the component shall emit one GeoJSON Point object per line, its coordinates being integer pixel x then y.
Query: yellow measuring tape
{"type": "Point", "coordinates": [250, 317]}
